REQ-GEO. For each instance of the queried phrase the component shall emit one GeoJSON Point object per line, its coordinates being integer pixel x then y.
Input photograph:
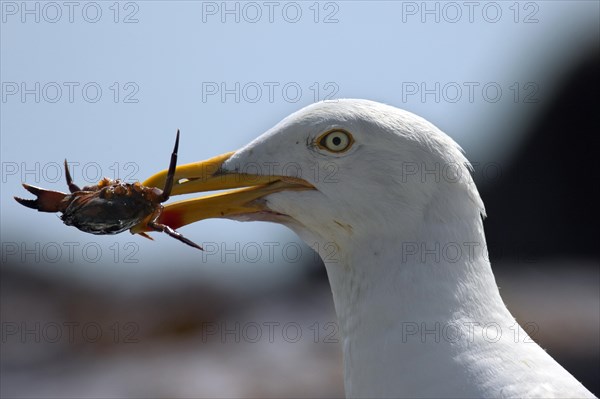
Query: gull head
{"type": "Point", "coordinates": [374, 168]}
{"type": "Point", "coordinates": [335, 171]}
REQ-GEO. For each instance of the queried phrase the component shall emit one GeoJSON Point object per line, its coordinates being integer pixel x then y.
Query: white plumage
{"type": "Point", "coordinates": [419, 310]}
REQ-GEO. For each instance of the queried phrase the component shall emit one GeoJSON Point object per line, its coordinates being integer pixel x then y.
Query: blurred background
{"type": "Point", "coordinates": [106, 85]}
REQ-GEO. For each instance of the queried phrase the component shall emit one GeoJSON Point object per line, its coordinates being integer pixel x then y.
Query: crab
{"type": "Point", "coordinates": [111, 206]}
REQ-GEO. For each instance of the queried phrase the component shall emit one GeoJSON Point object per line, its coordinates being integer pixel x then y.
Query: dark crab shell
{"type": "Point", "coordinates": [112, 209]}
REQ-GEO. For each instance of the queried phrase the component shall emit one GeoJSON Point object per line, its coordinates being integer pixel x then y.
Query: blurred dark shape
{"type": "Point", "coordinates": [545, 203]}
{"type": "Point", "coordinates": [544, 206]}
{"type": "Point", "coordinates": [153, 342]}
{"type": "Point", "coordinates": [33, 298]}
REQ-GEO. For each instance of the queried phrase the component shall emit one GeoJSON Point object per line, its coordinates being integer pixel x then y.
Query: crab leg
{"type": "Point", "coordinates": [173, 233]}
{"type": "Point", "coordinates": [171, 173]}
{"type": "Point", "coordinates": [72, 186]}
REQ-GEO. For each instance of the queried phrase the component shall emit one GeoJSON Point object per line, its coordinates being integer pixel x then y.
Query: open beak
{"type": "Point", "coordinates": [209, 176]}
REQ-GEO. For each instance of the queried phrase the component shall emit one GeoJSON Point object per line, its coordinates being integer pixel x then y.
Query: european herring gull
{"type": "Point", "coordinates": [419, 311]}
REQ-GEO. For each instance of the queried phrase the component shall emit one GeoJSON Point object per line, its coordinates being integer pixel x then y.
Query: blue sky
{"type": "Point", "coordinates": [109, 83]}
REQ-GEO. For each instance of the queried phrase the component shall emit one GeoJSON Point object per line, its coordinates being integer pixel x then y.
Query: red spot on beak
{"type": "Point", "coordinates": [171, 218]}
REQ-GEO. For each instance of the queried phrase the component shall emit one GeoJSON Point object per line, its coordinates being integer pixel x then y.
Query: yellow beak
{"type": "Point", "coordinates": [208, 176]}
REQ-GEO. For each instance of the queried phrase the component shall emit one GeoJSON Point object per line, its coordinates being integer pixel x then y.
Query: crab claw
{"type": "Point", "coordinates": [46, 201]}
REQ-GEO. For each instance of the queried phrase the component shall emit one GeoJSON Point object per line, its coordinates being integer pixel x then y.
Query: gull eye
{"type": "Point", "coordinates": [335, 141]}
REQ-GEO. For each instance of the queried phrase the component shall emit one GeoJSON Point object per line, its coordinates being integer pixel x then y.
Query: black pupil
{"type": "Point", "coordinates": [337, 141]}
